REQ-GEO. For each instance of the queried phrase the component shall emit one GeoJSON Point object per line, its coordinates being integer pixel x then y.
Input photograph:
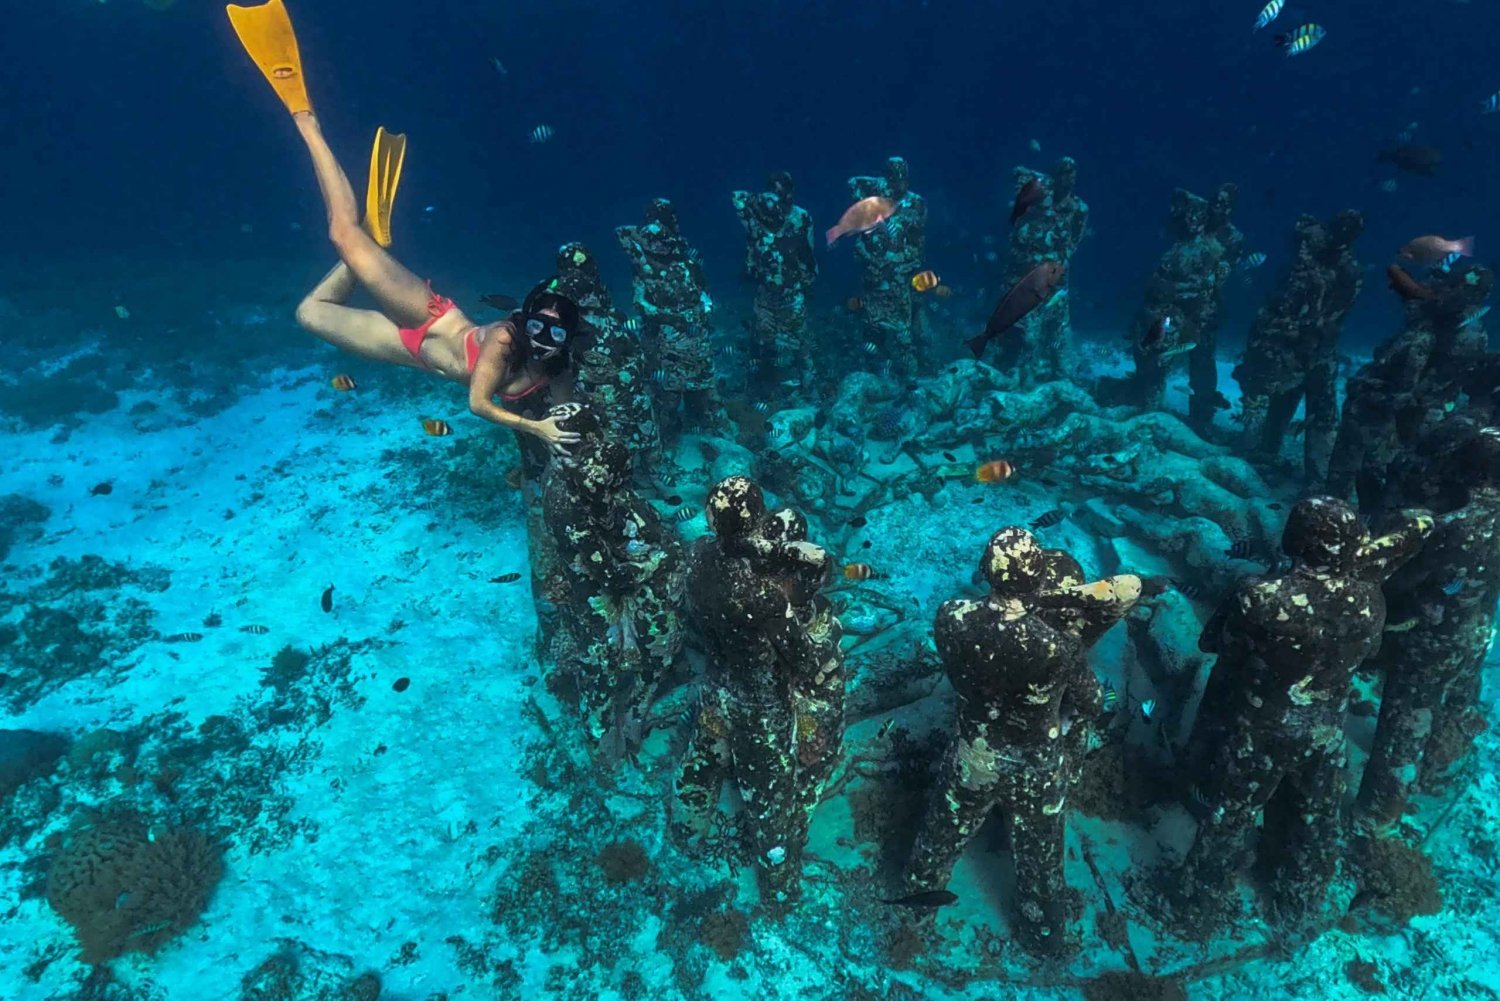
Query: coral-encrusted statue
{"type": "Point", "coordinates": [624, 573]}
{"type": "Point", "coordinates": [613, 376]}
{"type": "Point", "coordinates": [1292, 353]}
{"type": "Point", "coordinates": [1442, 606]}
{"type": "Point", "coordinates": [1184, 292]}
{"type": "Point", "coordinates": [672, 298]}
{"type": "Point", "coordinates": [1039, 350]}
{"type": "Point", "coordinates": [779, 259]}
{"type": "Point", "coordinates": [1415, 379]}
{"type": "Point", "coordinates": [890, 255]}
{"type": "Point", "coordinates": [1013, 659]}
{"type": "Point", "coordinates": [767, 698]}
{"type": "Point", "coordinates": [1269, 737]}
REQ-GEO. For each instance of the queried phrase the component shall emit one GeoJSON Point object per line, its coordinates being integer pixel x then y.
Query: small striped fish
{"type": "Point", "coordinates": [1053, 517]}
{"type": "Point", "coordinates": [184, 637]}
{"type": "Point", "coordinates": [1240, 549]}
{"type": "Point", "coordinates": [684, 514]}
{"type": "Point", "coordinates": [1268, 13]}
{"type": "Point", "coordinates": [1491, 104]}
{"type": "Point", "coordinates": [541, 134]}
{"type": "Point", "coordinates": [1303, 38]}
{"type": "Point", "coordinates": [255, 630]}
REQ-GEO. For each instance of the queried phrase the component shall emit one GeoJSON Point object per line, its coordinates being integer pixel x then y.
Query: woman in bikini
{"type": "Point", "coordinates": [515, 358]}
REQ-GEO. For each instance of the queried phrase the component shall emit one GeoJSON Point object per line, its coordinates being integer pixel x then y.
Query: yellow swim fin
{"type": "Point", "coordinates": [266, 33]}
{"type": "Point", "coordinates": [386, 158]}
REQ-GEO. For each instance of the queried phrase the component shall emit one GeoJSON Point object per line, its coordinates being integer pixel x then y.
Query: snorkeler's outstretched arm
{"type": "Point", "coordinates": [486, 379]}
{"type": "Point", "coordinates": [485, 382]}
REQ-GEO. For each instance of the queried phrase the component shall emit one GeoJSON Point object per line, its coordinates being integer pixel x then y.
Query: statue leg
{"type": "Point", "coordinates": [762, 743]}
{"type": "Point", "coordinates": [1322, 421]}
{"type": "Point", "coordinates": [962, 798]}
{"type": "Point", "coordinates": [1037, 827]}
{"type": "Point", "coordinates": [1301, 857]}
{"type": "Point", "coordinates": [705, 768]}
{"type": "Point", "coordinates": [1405, 724]}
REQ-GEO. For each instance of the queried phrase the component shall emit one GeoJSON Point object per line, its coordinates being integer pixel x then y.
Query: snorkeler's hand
{"type": "Point", "coordinates": [555, 438]}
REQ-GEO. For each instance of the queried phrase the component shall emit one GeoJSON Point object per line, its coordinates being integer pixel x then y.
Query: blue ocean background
{"type": "Point", "coordinates": [147, 135]}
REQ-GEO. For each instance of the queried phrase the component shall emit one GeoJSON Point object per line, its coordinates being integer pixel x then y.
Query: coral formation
{"type": "Point", "coordinates": [127, 887]}
{"type": "Point", "coordinates": [26, 755]}
{"type": "Point", "coordinates": [85, 618]}
{"type": "Point", "coordinates": [21, 519]}
{"type": "Point", "coordinates": [1395, 884]}
{"type": "Point", "coordinates": [624, 861]}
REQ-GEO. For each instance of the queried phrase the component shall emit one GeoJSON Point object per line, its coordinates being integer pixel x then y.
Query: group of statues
{"type": "Point", "coordinates": [1394, 567]}
{"type": "Point", "coordinates": [663, 379]}
{"type": "Point", "coordinates": [1268, 738]}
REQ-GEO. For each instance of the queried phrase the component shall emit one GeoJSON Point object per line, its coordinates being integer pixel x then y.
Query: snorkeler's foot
{"type": "Point", "coordinates": [266, 33]}
{"type": "Point", "coordinates": [386, 158]}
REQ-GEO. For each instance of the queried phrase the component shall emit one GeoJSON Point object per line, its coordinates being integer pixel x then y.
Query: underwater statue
{"type": "Point", "coordinates": [620, 625]}
{"type": "Point", "coordinates": [779, 259]}
{"type": "Point", "coordinates": [1268, 742]}
{"type": "Point", "coordinates": [613, 376]}
{"type": "Point", "coordinates": [817, 684]}
{"type": "Point", "coordinates": [768, 719]}
{"type": "Point", "coordinates": [676, 311]}
{"type": "Point", "coordinates": [1014, 660]}
{"type": "Point", "coordinates": [1088, 614]}
{"type": "Point", "coordinates": [1050, 228]}
{"type": "Point", "coordinates": [1442, 615]}
{"type": "Point", "coordinates": [1181, 312]}
{"type": "Point", "coordinates": [889, 256]}
{"type": "Point", "coordinates": [1415, 380]}
{"type": "Point", "coordinates": [1292, 352]}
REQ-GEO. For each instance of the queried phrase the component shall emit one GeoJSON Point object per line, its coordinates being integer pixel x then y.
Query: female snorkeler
{"type": "Point", "coordinates": [516, 358]}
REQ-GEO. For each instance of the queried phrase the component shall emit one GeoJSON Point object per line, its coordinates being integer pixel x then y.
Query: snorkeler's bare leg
{"type": "Point", "coordinates": [398, 291]}
{"type": "Point", "coordinates": [362, 331]}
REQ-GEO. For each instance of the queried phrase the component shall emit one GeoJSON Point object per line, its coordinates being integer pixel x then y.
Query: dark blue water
{"type": "Point", "coordinates": [150, 133]}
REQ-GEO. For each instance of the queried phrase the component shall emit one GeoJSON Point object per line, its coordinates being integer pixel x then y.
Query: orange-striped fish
{"type": "Point", "coordinates": [436, 428]}
{"type": "Point", "coordinates": [997, 471]}
{"type": "Point", "coordinates": [343, 383]}
{"type": "Point", "coordinates": [858, 571]}
{"type": "Point", "coordinates": [854, 304]}
{"type": "Point", "coordinates": [924, 281]}
{"type": "Point", "coordinates": [942, 291]}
